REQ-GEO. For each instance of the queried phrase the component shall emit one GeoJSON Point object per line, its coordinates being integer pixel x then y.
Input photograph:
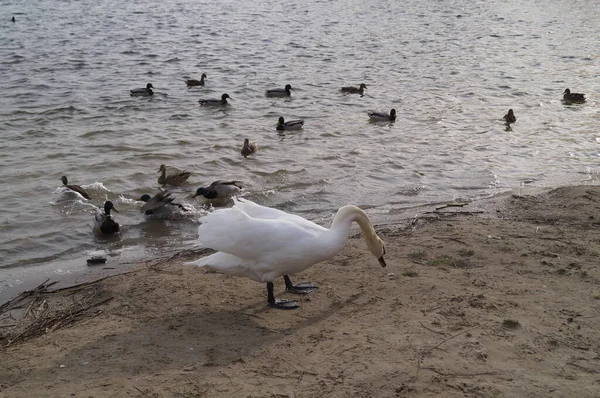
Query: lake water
{"type": "Point", "coordinates": [451, 69]}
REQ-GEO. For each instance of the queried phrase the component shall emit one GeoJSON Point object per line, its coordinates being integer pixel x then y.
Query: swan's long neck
{"type": "Point", "coordinates": [343, 220]}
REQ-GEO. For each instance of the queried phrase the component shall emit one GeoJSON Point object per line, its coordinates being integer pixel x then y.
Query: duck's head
{"type": "Point", "coordinates": [288, 87]}
{"type": "Point", "coordinates": [149, 86]}
{"type": "Point", "coordinates": [224, 97]}
{"type": "Point", "coordinates": [162, 168]}
{"type": "Point", "coordinates": [246, 142]}
{"type": "Point", "coordinates": [108, 206]}
{"type": "Point", "coordinates": [281, 121]}
{"type": "Point", "coordinates": [145, 197]}
{"type": "Point", "coordinates": [201, 192]}
{"type": "Point", "coordinates": [393, 113]}
{"type": "Point", "coordinates": [363, 86]}
{"type": "Point", "coordinates": [567, 91]}
{"type": "Point", "coordinates": [64, 180]}
{"type": "Point", "coordinates": [510, 112]}
{"type": "Point", "coordinates": [203, 76]}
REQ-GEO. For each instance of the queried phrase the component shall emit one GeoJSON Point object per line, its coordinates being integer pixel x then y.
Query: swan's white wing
{"type": "Point", "coordinates": [268, 213]}
{"type": "Point", "coordinates": [269, 241]}
{"type": "Point", "coordinates": [233, 265]}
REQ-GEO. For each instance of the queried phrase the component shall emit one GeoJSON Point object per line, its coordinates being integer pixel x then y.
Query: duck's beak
{"type": "Point", "coordinates": [114, 209]}
{"type": "Point", "coordinates": [381, 261]}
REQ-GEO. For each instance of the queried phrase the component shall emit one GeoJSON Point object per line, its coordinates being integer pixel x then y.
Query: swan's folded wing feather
{"type": "Point", "coordinates": [232, 265]}
{"type": "Point", "coordinates": [269, 213]}
{"type": "Point", "coordinates": [233, 231]}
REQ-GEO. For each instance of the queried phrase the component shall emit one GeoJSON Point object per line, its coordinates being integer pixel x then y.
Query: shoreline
{"type": "Point", "coordinates": [495, 298]}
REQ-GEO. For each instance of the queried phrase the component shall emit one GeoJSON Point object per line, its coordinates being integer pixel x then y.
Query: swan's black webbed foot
{"type": "Point", "coordinates": [300, 288]}
{"type": "Point", "coordinates": [282, 304]}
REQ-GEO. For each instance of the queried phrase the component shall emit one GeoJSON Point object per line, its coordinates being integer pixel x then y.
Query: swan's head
{"type": "Point", "coordinates": [377, 247]}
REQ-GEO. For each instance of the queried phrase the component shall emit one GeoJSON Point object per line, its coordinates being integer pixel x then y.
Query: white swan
{"type": "Point", "coordinates": [262, 243]}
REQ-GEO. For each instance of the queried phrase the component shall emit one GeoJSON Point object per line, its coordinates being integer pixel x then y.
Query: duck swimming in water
{"type": "Point", "coordinates": [219, 190]}
{"type": "Point", "coordinates": [282, 125]}
{"type": "Point", "coordinates": [280, 92]}
{"type": "Point", "coordinates": [249, 148]}
{"type": "Point", "coordinates": [194, 82]}
{"type": "Point", "coordinates": [74, 188]}
{"type": "Point", "coordinates": [215, 102]}
{"type": "Point", "coordinates": [570, 97]}
{"type": "Point", "coordinates": [263, 244]}
{"type": "Point", "coordinates": [173, 179]}
{"type": "Point", "coordinates": [355, 90]}
{"type": "Point", "coordinates": [382, 116]}
{"type": "Point", "coordinates": [143, 92]}
{"type": "Point", "coordinates": [103, 222]}
{"type": "Point", "coordinates": [161, 205]}
{"type": "Point", "coordinates": [510, 117]}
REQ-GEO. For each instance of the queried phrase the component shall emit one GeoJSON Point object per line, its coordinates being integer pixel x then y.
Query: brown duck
{"type": "Point", "coordinates": [173, 179]}
{"type": "Point", "coordinates": [249, 148]}
{"type": "Point", "coordinates": [355, 90]}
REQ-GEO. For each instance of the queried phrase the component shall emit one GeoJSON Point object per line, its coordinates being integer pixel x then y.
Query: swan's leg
{"type": "Point", "coordinates": [300, 288]}
{"type": "Point", "coordinates": [279, 303]}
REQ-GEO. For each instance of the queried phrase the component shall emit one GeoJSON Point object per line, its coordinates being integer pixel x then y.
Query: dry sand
{"type": "Point", "coordinates": [499, 304]}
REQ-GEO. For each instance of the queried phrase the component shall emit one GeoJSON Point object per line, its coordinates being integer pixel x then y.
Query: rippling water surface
{"type": "Point", "coordinates": [450, 68]}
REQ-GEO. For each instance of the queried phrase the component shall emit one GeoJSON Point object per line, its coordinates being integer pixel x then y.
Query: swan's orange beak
{"type": "Point", "coordinates": [381, 261]}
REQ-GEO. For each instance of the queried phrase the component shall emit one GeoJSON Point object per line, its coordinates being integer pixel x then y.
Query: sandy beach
{"type": "Point", "coordinates": [498, 298]}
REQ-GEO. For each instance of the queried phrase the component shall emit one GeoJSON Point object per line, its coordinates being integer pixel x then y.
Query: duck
{"type": "Point", "coordinates": [75, 188]}
{"type": "Point", "coordinates": [354, 90]}
{"type": "Point", "coordinates": [13, 19]}
{"type": "Point", "coordinates": [290, 125]}
{"type": "Point", "coordinates": [194, 82]}
{"type": "Point", "coordinates": [143, 92]}
{"type": "Point", "coordinates": [104, 224]}
{"type": "Point", "coordinates": [510, 117]}
{"type": "Point", "coordinates": [173, 179]}
{"type": "Point", "coordinates": [263, 244]}
{"type": "Point", "coordinates": [160, 205]}
{"type": "Point", "coordinates": [382, 116]}
{"type": "Point", "coordinates": [568, 96]}
{"type": "Point", "coordinates": [249, 148]}
{"type": "Point", "coordinates": [280, 92]}
{"type": "Point", "coordinates": [219, 189]}
{"type": "Point", "coordinates": [215, 102]}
